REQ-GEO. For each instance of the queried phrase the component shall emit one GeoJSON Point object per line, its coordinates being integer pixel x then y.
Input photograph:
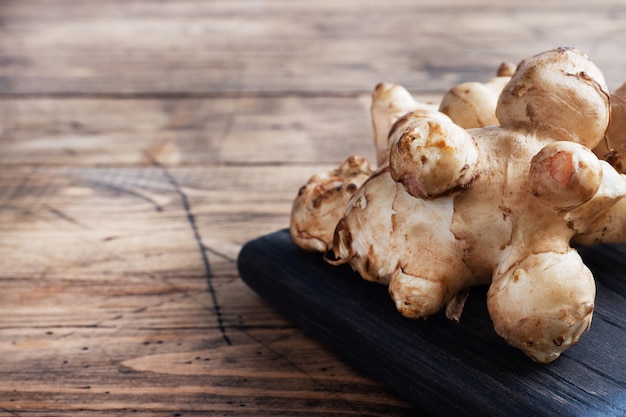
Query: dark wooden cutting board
{"type": "Point", "coordinates": [449, 369]}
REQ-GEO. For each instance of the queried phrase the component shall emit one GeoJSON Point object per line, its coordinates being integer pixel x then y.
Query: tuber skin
{"type": "Point", "coordinates": [536, 187]}
{"type": "Point", "coordinates": [389, 103]}
{"type": "Point", "coordinates": [613, 148]}
{"type": "Point", "coordinates": [544, 303]}
{"type": "Point", "coordinates": [565, 175]}
{"type": "Point", "coordinates": [451, 208]}
{"type": "Point", "coordinates": [473, 104]}
{"type": "Point", "coordinates": [571, 104]}
{"type": "Point", "coordinates": [321, 202]}
{"type": "Point", "coordinates": [432, 157]}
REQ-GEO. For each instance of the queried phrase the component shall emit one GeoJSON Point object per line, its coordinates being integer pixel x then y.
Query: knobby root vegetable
{"type": "Point", "coordinates": [451, 208]}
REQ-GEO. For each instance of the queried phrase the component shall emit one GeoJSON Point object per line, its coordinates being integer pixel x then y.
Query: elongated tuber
{"type": "Point", "coordinates": [389, 103]}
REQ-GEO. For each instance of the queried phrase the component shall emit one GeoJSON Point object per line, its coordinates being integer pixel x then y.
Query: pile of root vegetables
{"type": "Point", "coordinates": [491, 187]}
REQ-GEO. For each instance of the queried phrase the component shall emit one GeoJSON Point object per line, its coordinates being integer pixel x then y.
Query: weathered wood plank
{"type": "Point", "coordinates": [107, 304]}
{"type": "Point", "coordinates": [197, 47]}
{"type": "Point", "coordinates": [246, 130]}
{"type": "Point", "coordinates": [142, 143]}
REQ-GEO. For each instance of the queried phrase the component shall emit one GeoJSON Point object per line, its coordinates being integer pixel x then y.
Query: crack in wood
{"type": "Point", "coordinates": [123, 190]}
{"type": "Point", "coordinates": [220, 254]}
{"type": "Point", "coordinates": [64, 216]}
{"type": "Point", "coordinates": [191, 219]}
{"type": "Point", "coordinates": [16, 191]}
{"type": "Point", "coordinates": [9, 412]}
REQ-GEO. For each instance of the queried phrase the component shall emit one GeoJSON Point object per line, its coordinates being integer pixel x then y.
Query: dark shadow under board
{"type": "Point", "coordinates": [449, 369]}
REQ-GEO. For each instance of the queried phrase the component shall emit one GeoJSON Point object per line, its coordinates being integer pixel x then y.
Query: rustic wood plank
{"type": "Point", "coordinates": [195, 47]}
{"type": "Point", "coordinates": [247, 130]}
{"type": "Point", "coordinates": [107, 305]}
{"type": "Point", "coordinates": [142, 143]}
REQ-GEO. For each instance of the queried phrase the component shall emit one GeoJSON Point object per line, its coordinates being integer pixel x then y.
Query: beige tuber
{"type": "Point", "coordinates": [613, 148]}
{"type": "Point", "coordinates": [473, 104]}
{"type": "Point", "coordinates": [321, 203]}
{"type": "Point", "coordinates": [449, 208]}
{"type": "Point", "coordinates": [389, 103]}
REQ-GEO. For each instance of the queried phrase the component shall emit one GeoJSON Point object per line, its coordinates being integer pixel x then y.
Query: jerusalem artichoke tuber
{"type": "Point", "coordinates": [614, 148]}
{"type": "Point", "coordinates": [450, 208]}
{"type": "Point", "coordinates": [322, 201]}
{"type": "Point", "coordinates": [389, 103]}
{"type": "Point", "coordinates": [473, 104]}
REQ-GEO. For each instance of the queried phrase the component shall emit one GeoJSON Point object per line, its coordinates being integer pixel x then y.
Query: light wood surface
{"type": "Point", "coordinates": [143, 143]}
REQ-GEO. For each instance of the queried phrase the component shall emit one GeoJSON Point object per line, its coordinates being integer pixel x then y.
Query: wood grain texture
{"type": "Point", "coordinates": [247, 130]}
{"type": "Point", "coordinates": [120, 293]}
{"type": "Point", "coordinates": [199, 47]}
{"type": "Point", "coordinates": [144, 142]}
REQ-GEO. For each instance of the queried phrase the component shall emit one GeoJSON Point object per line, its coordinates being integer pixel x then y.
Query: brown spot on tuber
{"type": "Point", "coordinates": [615, 159]}
{"type": "Point", "coordinates": [325, 195]}
{"type": "Point", "coordinates": [506, 212]}
{"type": "Point", "coordinates": [519, 91]}
{"type": "Point", "coordinates": [530, 113]}
{"type": "Point", "coordinates": [435, 130]}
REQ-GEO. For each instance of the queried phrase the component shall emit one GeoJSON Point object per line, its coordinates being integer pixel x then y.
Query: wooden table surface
{"type": "Point", "coordinates": [143, 142]}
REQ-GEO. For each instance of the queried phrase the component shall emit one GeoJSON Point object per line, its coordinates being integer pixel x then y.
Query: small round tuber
{"type": "Point", "coordinates": [560, 94]}
{"type": "Point", "coordinates": [565, 174]}
{"type": "Point", "coordinates": [389, 103]}
{"type": "Point", "coordinates": [543, 304]}
{"type": "Point", "coordinates": [432, 158]}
